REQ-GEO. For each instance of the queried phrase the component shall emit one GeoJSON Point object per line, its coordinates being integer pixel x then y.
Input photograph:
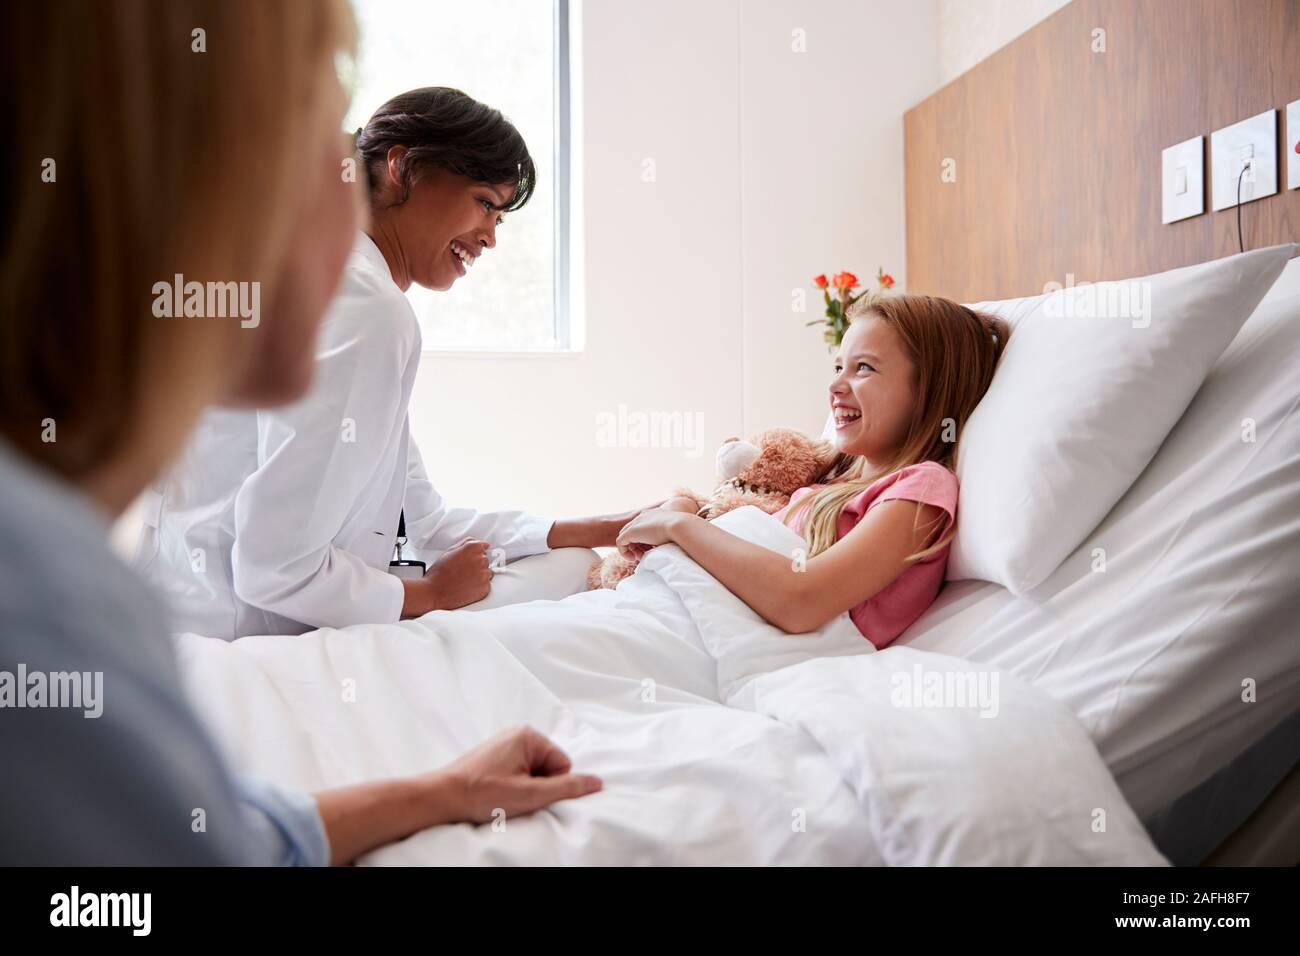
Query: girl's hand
{"type": "Point", "coordinates": [648, 530]}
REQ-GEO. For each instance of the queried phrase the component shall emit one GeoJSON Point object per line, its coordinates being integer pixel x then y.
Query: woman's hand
{"type": "Point", "coordinates": [650, 529]}
{"type": "Point", "coordinates": [516, 772]}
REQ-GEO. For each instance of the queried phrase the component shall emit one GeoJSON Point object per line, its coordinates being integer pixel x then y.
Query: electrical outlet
{"type": "Point", "coordinates": [1245, 164]}
{"type": "Point", "coordinates": [1182, 179]}
{"type": "Point", "coordinates": [1245, 151]}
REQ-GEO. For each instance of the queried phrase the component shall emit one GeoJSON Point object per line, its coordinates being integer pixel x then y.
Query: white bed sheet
{"type": "Point", "coordinates": [618, 679]}
{"type": "Point", "coordinates": [1200, 592]}
{"type": "Point", "coordinates": [720, 738]}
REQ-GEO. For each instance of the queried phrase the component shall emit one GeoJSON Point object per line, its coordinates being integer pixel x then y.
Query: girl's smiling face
{"type": "Point", "coordinates": [873, 392]}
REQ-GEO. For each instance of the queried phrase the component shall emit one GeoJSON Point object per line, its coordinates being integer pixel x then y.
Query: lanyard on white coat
{"type": "Point", "coordinates": [398, 566]}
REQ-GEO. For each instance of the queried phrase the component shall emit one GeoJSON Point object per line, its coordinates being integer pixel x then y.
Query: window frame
{"type": "Point", "coordinates": [562, 326]}
{"type": "Point", "coordinates": [562, 90]}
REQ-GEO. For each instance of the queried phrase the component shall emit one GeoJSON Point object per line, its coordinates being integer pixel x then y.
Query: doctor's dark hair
{"type": "Point", "coordinates": [443, 128]}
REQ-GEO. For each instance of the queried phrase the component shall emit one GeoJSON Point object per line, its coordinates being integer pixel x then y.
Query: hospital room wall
{"type": "Point", "coordinates": [769, 166]}
{"type": "Point", "coordinates": [970, 32]}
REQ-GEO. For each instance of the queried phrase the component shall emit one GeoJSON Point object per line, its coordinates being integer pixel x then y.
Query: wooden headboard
{"type": "Point", "coordinates": [1055, 149]}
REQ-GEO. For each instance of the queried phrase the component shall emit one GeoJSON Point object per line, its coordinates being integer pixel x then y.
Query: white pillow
{"type": "Point", "coordinates": [1092, 380]}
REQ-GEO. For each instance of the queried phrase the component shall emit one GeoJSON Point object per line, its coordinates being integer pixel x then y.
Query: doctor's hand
{"type": "Point", "coordinates": [594, 532]}
{"type": "Point", "coordinates": [457, 577]}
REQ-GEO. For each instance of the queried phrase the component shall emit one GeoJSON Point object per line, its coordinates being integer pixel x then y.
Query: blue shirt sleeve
{"type": "Point", "coordinates": [136, 779]}
{"type": "Point", "coordinates": [287, 823]}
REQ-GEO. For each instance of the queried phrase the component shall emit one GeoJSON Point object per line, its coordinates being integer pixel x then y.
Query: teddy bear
{"type": "Point", "coordinates": [763, 473]}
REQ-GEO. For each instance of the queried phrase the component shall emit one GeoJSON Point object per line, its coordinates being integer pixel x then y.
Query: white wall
{"type": "Point", "coordinates": [822, 156]}
{"type": "Point", "coordinates": [971, 30]}
{"type": "Point", "coordinates": [770, 166]}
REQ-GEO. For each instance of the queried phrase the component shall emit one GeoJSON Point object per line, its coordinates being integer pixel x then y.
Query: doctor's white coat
{"type": "Point", "coordinates": [280, 521]}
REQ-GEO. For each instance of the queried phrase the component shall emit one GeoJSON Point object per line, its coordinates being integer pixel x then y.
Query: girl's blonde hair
{"type": "Point", "coordinates": [146, 139]}
{"type": "Point", "coordinates": [954, 351]}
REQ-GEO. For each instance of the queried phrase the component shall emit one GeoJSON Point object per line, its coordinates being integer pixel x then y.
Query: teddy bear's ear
{"type": "Point", "coordinates": [734, 457]}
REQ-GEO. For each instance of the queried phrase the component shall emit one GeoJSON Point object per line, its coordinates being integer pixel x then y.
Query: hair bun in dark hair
{"type": "Point", "coordinates": [443, 128]}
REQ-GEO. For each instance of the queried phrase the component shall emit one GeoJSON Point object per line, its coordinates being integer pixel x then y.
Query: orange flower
{"type": "Point", "coordinates": [820, 281]}
{"type": "Point", "coordinates": [886, 280]}
{"type": "Point", "coordinates": [844, 280]}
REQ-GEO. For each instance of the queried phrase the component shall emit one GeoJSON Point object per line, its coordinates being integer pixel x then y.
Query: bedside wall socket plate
{"type": "Point", "coordinates": [1291, 148]}
{"type": "Point", "coordinates": [1251, 144]}
{"type": "Point", "coordinates": [1182, 180]}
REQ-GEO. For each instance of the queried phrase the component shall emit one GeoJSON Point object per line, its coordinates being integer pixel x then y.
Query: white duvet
{"type": "Point", "coordinates": [720, 739]}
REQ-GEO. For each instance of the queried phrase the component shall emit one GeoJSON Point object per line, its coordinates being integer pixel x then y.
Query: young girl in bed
{"type": "Point", "coordinates": [880, 521]}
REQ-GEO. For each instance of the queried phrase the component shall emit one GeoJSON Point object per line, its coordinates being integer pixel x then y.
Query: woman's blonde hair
{"type": "Point", "coordinates": [146, 139]}
{"type": "Point", "coordinates": [954, 351]}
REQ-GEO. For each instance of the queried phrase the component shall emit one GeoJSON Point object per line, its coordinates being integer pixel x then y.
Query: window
{"type": "Point", "coordinates": [512, 55]}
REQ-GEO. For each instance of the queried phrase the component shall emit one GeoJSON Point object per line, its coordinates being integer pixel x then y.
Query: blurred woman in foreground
{"type": "Point", "coordinates": [158, 146]}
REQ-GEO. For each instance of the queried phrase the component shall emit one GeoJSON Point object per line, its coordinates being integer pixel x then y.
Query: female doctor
{"type": "Point", "coordinates": [279, 521]}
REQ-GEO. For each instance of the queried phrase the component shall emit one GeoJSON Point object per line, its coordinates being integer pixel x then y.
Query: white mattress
{"type": "Point", "coordinates": [1200, 589]}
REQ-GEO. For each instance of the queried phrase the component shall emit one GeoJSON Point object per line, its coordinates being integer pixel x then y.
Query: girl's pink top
{"type": "Point", "coordinates": [890, 612]}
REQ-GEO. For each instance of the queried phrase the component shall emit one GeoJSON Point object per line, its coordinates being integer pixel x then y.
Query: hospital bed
{"type": "Point", "coordinates": [705, 762]}
{"type": "Point", "coordinates": [1153, 661]}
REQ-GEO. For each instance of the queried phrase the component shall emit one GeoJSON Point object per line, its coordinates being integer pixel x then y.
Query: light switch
{"type": "Point", "coordinates": [1292, 150]}
{"type": "Point", "coordinates": [1182, 180]}
{"type": "Point", "coordinates": [1249, 146]}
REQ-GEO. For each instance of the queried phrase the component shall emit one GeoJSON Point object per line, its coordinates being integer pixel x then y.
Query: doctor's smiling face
{"type": "Point", "coordinates": [442, 169]}
{"type": "Point", "coordinates": [444, 225]}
